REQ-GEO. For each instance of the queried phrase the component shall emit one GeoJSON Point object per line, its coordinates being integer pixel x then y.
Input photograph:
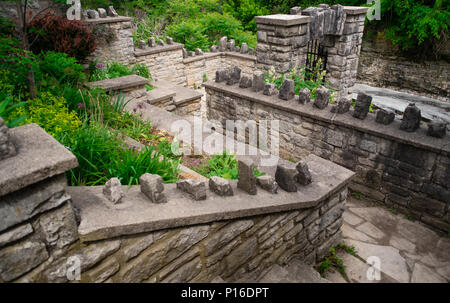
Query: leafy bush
{"type": "Point", "coordinates": [50, 32]}
{"type": "Point", "coordinates": [207, 30]}
{"type": "Point", "coordinates": [101, 71]}
{"type": "Point", "coordinates": [7, 106]}
{"type": "Point", "coordinates": [245, 11]}
{"type": "Point", "coordinates": [413, 23]}
{"type": "Point", "coordinates": [63, 68]}
{"type": "Point", "coordinates": [49, 112]}
{"type": "Point", "coordinates": [101, 156]}
{"type": "Point", "coordinates": [190, 33]}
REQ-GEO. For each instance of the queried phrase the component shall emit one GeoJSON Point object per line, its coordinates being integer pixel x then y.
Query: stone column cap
{"type": "Point", "coordinates": [108, 20]}
{"type": "Point", "coordinates": [355, 10]}
{"type": "Point", "coordinates": [281, 19]}
{"type": "Point", "coordinates": [39, 156]}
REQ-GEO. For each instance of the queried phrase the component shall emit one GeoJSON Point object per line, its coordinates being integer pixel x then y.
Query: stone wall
{"type": "Point", "coordinates": [406, 171]}
{"type": "Point", "coordinates": [164, 62]}
{"type": "Point", "coordinates": [115, 42]}
{"type": "Point", "coordinates": [382, 65]}
{"type": "Point", "coordinates": [48, 230]}
{"type": "Point", "coordinates": [167, 63]}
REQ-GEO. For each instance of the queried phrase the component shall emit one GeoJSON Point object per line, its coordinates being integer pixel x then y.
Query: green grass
{"type": "Point", "coordinates": [222, 165]}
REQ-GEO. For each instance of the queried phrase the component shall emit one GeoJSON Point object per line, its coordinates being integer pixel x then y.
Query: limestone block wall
{"type": "Point", "coordinates": [405, 171]}
{"type": "Point", "coordinates": [208, 63]}
{"type": "Point", "coordinates": [164, 62]}
{"type": "Point", "coordinates": [50, 232]}
{"type": "Point", "coordinates": [200, 253]}
{"type": "Point", "coordinates": [115, 41]}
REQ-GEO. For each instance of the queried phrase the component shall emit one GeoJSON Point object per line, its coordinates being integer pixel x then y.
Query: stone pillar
{"type": "Point", "coordinates": [37, 220]}
{"type": "Point", "coordinates": [343, 57]}
{"type": "Point", "coordinates": [282, 41]}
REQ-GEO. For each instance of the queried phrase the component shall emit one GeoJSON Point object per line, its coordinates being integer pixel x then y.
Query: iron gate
{"type": "Point", "coordinates": [315, 53]}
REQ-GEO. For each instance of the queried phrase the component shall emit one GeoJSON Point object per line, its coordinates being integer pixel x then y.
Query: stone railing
{"type": "Point", "coordinates": [399, 163]}
{"type": "Point", "coordinates": [189, 231]}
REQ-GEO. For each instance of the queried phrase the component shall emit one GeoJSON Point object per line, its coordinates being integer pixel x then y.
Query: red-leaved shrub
{"type": "Point", "coordinates": [54, 33]}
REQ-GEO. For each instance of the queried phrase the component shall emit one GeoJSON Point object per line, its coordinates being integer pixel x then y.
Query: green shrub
{"type": "Point", "coordinates": [101, 71]}
{"type": "Point", "coordinates": [49, 112]}
{"type": "Point", "coordinates": [190, 33]}
{"type": "Point", "coordinates": [7, 106]}
{"type": "Point", "coordinates": [101, 156]}
{"type": "Point", "coordinates": [60, 66]}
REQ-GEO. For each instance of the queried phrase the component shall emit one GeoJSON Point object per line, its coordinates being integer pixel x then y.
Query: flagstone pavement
{"type": "Point", "coordinates": [408, 251]}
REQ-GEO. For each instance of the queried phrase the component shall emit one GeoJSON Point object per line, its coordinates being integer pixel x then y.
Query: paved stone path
{"type": "Point", "coordinates": [408, 250]}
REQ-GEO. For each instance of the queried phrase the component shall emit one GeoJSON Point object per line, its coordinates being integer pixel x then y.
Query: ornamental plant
{"type": "Point", "coordinates": [50, 32]}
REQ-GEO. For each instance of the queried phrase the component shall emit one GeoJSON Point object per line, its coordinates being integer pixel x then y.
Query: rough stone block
{"type": "Point", "coordinates": [247, 179]}
{"type": "Point", "coordinates": [287, 90]}
{"type": "Point", "coordinates": [214, 49]}
{"type": "Point", "coordinates": [196, 189]}
{"type": "Point", "coordinates": [92, 14]}
{"type": "Point", "coordinates": [286, 176]}
{"type": "Point", "coordinates": [152, 186]}
{"type": "Point", "coordinates": [198, 52]}
{"type": "Point", "coordinates": [161, 42]}
{"type": "Point", "coordinates": [342, 107]}
{"type": "Point", "coordinates": [384, 116]}
{"type": "Point", "coordinates": [411, 118]}
{"type": "Point", "coordinates": [112, 12]}
{"type": "Point", "coordinates": [270, 89]}
{"type": "Point", "coordinates": [113, 190]}
{"type": "Point", "coordinates": [102, 12]}
{"type": "Point", "coordinates": [437, 129]}
{"type": "Point", "coordinates": [244, 48]}
{"type": "Point", "coordinates": [231, 45]}
{"type": "Point", "coordinates": [7, 148]}
{"type": "Point", "coordinates": [15, 234]}
{"type": "Point", "coordinates": [245, 82]}
{"type": "Point", "coordinates": [151, 42]}
{"type": "Point", "coordinates": [18, 259]}
{"type": "Point", "coordinates": [220, 186]}
{"type": "Point", "coordinates": [222, 75]}
{"type": "Point", "coordinates": [268, 183]}
{"type": "Point", "coordinates": [296, 10]}
{"type": "Point", "coordinates": [223, 44]}
{"type": "Point", "coordinates": [322, 97]}
{"type": "Point", "coordinates": [304, 176]}
{"type": "Point", "coordinates": [59, 226]}
{"type": "Point", "coordinates": [304, 96]}
{"type": "Point", "coordinates": [169, 40]}
{"type": "Point", "coordinates": [141, 44]}
{"type": "Point", "coordinates": [32, 200]}
{"type": "Point", "coordinates": [235, 75]}
{"type": "Point", "coordinates": [362, 106]}
{"type": "Point", "coordinates": [258, 81]}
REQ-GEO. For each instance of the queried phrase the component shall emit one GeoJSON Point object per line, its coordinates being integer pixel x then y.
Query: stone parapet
{"type": "Point", "coordinates": [407, 171]}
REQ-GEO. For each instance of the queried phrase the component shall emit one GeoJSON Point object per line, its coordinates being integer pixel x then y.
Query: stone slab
{"type": "Point", "coordinates": [158, 49]}
{"type": "Point", "coordinates": [120, 83]}
{"type": "Point", "coordinates": [418, 138]}
{"type": "Point", "coordinates": [39, 157]}
{"type": "Point", "coordinates": [159, 94]}
{"type": "Point", "coordinates": [355, 10]}
{"type": "Point", "coordinates": [100, 220]}
{"type": "Point", "coordinates": [281, 19]}
{"type": "Point", "coordinates": [181, 94]}
{"type": "Point", "coordinates": [108, 20]}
